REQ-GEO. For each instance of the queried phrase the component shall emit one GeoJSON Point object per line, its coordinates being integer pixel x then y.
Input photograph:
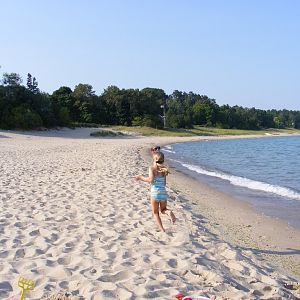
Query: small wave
{"type": "Point", "coordinates": [170, 151]}
{"type": "Point", "coordinates": [248, 183]}
{"type": "Point", "coordinates": [168, 148]}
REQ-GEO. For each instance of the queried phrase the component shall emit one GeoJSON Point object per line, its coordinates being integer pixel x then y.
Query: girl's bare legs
{"type": "Point", "coordinates": [165, 210]}
{"type": "Point", "coordinates": [155, 211]}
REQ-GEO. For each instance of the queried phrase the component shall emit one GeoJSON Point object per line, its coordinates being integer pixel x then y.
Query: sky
{"type": "Point", "coordinates": [238, 52]}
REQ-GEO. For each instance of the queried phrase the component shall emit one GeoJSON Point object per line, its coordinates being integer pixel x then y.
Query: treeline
{"type": "Point", "coordinates": [26, 107]}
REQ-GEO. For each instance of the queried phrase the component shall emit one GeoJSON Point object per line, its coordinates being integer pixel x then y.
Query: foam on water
{"type": "Point", "coordinates": [246, 182]}
{"type": "Point", "coordinates": [169, 149]}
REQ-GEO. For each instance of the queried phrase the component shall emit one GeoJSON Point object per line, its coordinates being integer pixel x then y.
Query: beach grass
{"type": "Point", "coordinates": [199, 131]}
{"type": "Point", "coordinates": [106, 133]}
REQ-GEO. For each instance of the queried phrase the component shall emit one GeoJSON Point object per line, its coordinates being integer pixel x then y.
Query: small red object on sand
{"type": "Point", "coordinates": [183, 297]}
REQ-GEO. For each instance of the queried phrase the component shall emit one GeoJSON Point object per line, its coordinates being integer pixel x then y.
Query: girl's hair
{"type": "Point", "coordinates": [159, 159]}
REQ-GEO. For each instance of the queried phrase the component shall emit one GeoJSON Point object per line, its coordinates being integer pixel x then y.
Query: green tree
{"type": "Point", "coordinates": [118, 105]}
{"type": "Point", "coordinates": [12, 79]}
{"type": "Point", "coordinates": [175, 114]}
{"type": "Point", "coordinates": [277, 121]}
{"type": "Point", "coordinates": [32, 84]}
{"type": "Point", "coordinates": [25, 118]}
{"type": "Point", "coordinates": [199, 113]}
{"type": "Point", "coordinates": [111, 95]}
{"type": "Point", "coordinates": [151, 100]}
{"type": "Point", "coordinates": [99, 110]}
{"type": "Point", "coordinates": [63, 116]}
{"type": "Point", "coordinates": [83, 95]}
{"type": "Point", "coordinates": [63, 98]}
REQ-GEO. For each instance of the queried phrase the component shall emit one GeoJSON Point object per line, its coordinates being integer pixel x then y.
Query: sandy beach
{"type": "Point", "coordinates": [72, 218]}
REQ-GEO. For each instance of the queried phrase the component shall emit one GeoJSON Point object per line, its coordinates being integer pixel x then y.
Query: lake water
{"type": "Point", "coordinates": [263, 171]}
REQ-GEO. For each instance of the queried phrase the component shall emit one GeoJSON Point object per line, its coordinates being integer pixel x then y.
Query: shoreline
{"type": "Point", "coordinates": [241, 225]}
{"type": "Point", "coordinates": [284, 212]}
{"type": "Point", "coordinates": [238, 222]}
{"type": "Point", "coordinates": [75, 220]}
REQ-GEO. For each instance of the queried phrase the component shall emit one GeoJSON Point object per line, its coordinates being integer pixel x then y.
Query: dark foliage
{"type": "Point", "coordinates": [28, 108]}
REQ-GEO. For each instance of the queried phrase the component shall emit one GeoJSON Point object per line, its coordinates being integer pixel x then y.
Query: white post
{"type": "Point", "coordinates": [164, 114]}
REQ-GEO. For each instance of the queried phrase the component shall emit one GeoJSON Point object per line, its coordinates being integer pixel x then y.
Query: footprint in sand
{"type": "Point", "coordinates": [119, 276]}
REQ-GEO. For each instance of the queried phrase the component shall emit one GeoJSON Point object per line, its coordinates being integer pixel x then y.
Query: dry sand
{"type": "Point", "coordinates": [72, 218]}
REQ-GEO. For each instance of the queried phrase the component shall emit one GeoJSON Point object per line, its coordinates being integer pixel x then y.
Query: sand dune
{"type": "Point", "coordinates": [72, 218]}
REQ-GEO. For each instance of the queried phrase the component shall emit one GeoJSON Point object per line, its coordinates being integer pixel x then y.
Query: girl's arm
{"type": "Point", "coordinates": [145, 179]}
